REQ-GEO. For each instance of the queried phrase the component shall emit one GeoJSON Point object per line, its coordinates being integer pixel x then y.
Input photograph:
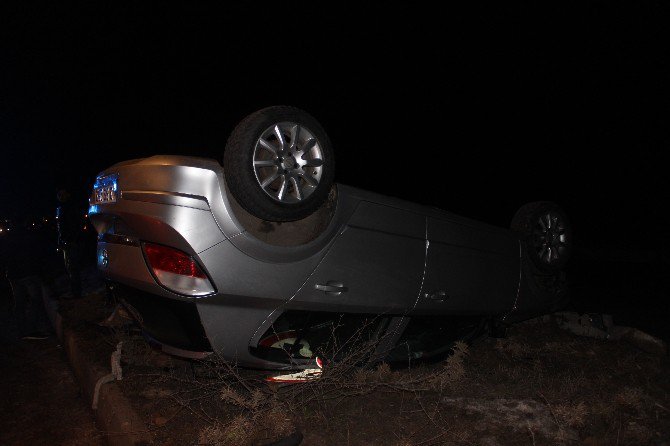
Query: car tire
{"type": "Point", "coordinates": [279, 164]}
{"type": "Point", "coordinates": [546, 234]}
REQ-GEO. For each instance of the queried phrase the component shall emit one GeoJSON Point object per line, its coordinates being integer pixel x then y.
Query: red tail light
{"type": "Point", "coordinates": [172, 260]}
{"type": "Point", "coordinates": [177, 270]}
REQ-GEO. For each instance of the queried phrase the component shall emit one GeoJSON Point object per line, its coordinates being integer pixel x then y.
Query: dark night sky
{"type": "Point", "coordinates": [475, 110]}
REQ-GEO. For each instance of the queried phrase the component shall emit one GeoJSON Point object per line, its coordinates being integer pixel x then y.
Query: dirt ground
{"type": "Point", "coordinates": [539, 386]}
{"type": "Point", "coordinates": [41, 402]}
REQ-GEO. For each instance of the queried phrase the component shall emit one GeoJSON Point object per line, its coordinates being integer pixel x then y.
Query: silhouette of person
{"type": "Point", "coordinates": [69, 227]}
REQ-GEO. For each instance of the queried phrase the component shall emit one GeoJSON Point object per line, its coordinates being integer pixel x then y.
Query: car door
{"type": "Point", "coordinates": [375, 265]}
{"type": "Point", "coordinates": [470, 268]}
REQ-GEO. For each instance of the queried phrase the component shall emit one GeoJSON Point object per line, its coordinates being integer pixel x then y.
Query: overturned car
{"type": "Point", "coordinates": [268, 263]}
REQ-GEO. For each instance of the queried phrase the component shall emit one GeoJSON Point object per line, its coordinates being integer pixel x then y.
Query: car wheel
{"type": "Point", "coordinates": [545, 229]}
{"type": "Point", "coordinates": [279, 164]}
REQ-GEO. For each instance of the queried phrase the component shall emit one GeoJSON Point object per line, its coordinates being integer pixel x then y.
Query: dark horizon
{"type": "Point", "coordinates": [476, 111]}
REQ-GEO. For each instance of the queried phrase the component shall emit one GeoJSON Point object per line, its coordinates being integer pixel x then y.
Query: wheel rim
{"type": "Point", "coordinates": [550, 238]}
{"type": "Point", "coordinates": [288, 162]}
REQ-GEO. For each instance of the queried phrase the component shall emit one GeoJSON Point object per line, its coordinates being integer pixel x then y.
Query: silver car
{"type": "Point", "coordinates": [267, 262]}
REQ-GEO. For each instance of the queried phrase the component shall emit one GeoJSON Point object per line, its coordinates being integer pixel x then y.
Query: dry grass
{"type": "Point", "coordinates": [266, 412]}
{"type": "Point", "coordinates": [630, 398]}
{"type": "Point", "coordinates": [253, 402]}
{"type": "Point", "coordinates": [572, 415]}
{"type": "Point", "coordinates": [512, 348]}
{"type": "Point", "coordinates": [452, 371]}
{"type": "Point", "coordinates": [638, 434]}
{"type": "Point", "coordinates": [235, 433]}
{"type": "Point", "coordinates": [593, 392]}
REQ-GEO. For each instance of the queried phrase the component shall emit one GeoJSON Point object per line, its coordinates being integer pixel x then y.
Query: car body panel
{"type": "Point", "coordinates": [238, 274]}
{"type": "Point", "coordinates": [381, 273]}
{"type": "Point", "coordinates": [459, 252]}
{"type": "Point", "coordinates": [391, 256]}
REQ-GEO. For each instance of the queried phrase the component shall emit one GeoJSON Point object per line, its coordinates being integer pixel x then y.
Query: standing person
{"type": "Point", "coordinates": [69, 227]}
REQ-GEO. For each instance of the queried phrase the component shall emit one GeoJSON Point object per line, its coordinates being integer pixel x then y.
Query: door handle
{"type": "Point", "coordinates": [437, 296]}
{"type": "Point", "coordinates": [332, 288]}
